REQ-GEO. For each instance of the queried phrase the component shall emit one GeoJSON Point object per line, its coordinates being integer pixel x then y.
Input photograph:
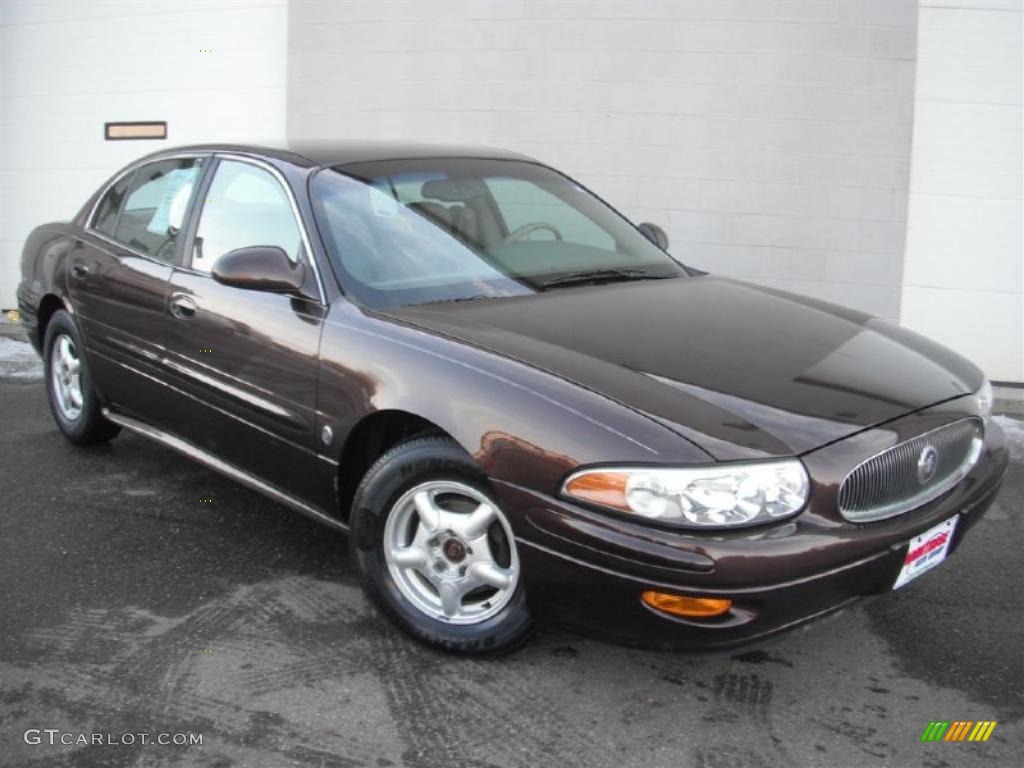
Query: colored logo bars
{"type": "Point", "coordinates": [958, 730]}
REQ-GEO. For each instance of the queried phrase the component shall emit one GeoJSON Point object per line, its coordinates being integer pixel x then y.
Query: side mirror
{"type": "Point", "coordinates": [655, 234]}
{"type": "Point", "coordinates": [259, 268]}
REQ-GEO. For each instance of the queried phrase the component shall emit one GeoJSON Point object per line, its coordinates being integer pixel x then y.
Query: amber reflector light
{"type": "Point", "coordinates": [608, 488]}
{"type": "Point", "coordinates": [699, 607]}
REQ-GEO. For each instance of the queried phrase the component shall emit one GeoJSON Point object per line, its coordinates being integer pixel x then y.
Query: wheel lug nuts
{"type": "Point", "coordinates": [439, 565]}
{"type": "Point", "coordinates": [462, 570]}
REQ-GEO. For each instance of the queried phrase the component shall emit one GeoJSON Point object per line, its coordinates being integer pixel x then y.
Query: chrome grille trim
{"type": "Point", "coordinates": [887, 484]}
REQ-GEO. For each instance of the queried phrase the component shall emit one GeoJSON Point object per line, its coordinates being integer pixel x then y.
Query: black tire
{"type": "Point", "coordinates": [404, 467]}
{"type": "Point", "coordinates": [89, 426]}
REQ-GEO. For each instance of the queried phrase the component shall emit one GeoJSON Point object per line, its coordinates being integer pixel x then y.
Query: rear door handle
{"type": "Point", "coordinates": [182, 307]}
{"type": "Point", "coordinates": [79, 269]}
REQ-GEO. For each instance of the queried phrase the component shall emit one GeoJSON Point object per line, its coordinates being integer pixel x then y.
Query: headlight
{"type": "Point", "coordinates": [984, 399]}
{"type": "Point", "coordinates": [713, 496]}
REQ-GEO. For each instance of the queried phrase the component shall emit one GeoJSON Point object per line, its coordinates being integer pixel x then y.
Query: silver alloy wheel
{"type": "Point", "coordinates": [440, 554]}
{"type": "Point", "coordinates": [66, 377]}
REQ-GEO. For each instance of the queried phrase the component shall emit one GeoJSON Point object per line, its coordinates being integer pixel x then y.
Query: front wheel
{"type": "Point", "coordinates": [436, 552]}
{"type": "Point", "coordinates": [74, 404]}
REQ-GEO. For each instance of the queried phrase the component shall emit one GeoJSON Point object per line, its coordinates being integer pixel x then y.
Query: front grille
{"type": "Point", "coordinates": [898, 479]}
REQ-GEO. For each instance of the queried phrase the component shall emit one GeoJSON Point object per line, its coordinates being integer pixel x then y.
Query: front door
{"type": "Point", "coordinates": [243, 360]}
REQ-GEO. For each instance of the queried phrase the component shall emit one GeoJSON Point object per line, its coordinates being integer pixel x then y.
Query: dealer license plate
{"type": "Point", "coordinates": [926, 551]}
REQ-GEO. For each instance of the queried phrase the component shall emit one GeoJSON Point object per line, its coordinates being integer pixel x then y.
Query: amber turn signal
{"type": "Point", "coordinates": [692, 607]}
{"type": "Point", "coordinates": [607, 488]}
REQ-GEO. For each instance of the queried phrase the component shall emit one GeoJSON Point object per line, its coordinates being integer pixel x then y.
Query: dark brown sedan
{"type": "Point", "coordinates": [519, 405]}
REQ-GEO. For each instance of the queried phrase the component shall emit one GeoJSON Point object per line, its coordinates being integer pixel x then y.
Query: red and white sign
{"type": "Point", "coordinates": [926, 551]}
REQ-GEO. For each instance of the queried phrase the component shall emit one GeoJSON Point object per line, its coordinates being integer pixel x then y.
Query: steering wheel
{"type": "Point", "coordinates": [520, 232]}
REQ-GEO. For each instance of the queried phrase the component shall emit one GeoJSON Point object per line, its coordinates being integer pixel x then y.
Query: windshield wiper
{"type": "Point", "coordinates": [612, 273]}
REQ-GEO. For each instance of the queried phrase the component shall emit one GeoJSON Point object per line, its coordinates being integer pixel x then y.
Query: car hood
{"type": "Point", "coordinates": [743, 371]}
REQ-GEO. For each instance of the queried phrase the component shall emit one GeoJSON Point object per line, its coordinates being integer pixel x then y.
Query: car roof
{"type": "Point", "coordinates": [332, 153]}
{"type": "Point", "coordinates": [346, 152]}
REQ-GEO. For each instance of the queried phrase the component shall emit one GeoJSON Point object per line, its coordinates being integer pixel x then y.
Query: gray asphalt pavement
{"type": "Point", "coordinates": [141, 593]}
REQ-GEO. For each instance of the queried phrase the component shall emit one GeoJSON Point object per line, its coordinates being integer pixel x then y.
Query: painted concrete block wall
{"type": "Point", "coordinates": [68, 67]}
{"type": "Point", "coordinates": [964, 273]}
{"type": "Point", "coordinates": [770, 137]}
{"type": "Point", "coordinates": [3, 185]}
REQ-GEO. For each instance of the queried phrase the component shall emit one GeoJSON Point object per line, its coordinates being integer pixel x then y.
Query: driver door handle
{"type": "Point", "coordinates": [182, 307]}
{"type": "Point", "coordinates": [79, 269]}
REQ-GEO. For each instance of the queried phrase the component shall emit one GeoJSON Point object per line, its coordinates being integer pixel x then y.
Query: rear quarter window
{"type": "Point", "coordinates": [105, 218]}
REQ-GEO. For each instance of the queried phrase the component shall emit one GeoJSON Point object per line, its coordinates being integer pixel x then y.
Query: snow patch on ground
{"type": "Point", "coordinates": [1014, 429]}
{"type": "Point", "coordinates": [19, 361]}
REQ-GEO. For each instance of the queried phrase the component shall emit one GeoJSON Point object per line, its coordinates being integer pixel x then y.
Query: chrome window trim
{"type": "Point", "coordinates": [89, 229]}
{"type": "Point", "coordinates": [276, 173]}
{"type": "Point", "coordinates": [124, 172]}
{"type": "Point", "coordinates": [310, 255]}
{"type": "Point", "coordinates": [926, 495]}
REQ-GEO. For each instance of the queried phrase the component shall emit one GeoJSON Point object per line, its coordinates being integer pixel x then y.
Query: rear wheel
{"type": "Point", "coordinates": [436, 552]}
{"type": "Point", "coordinates": [73, 402]}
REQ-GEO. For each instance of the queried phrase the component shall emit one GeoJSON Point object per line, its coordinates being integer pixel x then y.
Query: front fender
{"type": "Point", "coordinates": [520, 424]}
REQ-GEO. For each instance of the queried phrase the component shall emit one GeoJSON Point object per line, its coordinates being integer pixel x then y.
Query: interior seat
{"type": "Point", "coordinates": [436, 212]}
{"type": "Point", "coordinates": [464, 219]}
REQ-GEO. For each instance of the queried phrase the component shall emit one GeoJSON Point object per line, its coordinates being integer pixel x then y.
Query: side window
{"type": "Point", "coordinates": [105, 218]}
{"type": "Point", "coordinates": [156, 205]}
{"type": "Point", "coordinates": [245, 206]}
{"type": "Point", "coordinates": [522, 202]}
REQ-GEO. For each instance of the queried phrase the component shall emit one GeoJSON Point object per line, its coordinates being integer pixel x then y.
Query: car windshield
{"type": "Point", "coordinates": [421, 231]}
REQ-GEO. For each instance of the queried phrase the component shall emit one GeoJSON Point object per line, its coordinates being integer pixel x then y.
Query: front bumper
{"type": "Point", "coordinates": [586, 570]}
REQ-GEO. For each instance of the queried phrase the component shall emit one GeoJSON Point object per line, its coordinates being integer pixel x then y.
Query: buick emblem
{"type": "Point", "coordinates": [927, 463]}
{"type": "Point", "coordinates": [454, 550]}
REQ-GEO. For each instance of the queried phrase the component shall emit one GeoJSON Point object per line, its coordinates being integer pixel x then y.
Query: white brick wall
{"type": "Point", "coordinates": [68, 67]}
{"type": "Point", "coordinates": [770, 137]}
{"type": "Point", "coordinates": [964, 274]}
{"type": "Point", "coordinates": [5, 259]}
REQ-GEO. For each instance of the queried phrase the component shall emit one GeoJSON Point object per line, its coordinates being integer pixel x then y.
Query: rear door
{"type": "Point", "coordinates": [118, 280]}
{"type": "Point", "coordinates": [245, 361]}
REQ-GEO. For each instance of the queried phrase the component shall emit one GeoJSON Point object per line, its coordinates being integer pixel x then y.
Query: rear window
{"type": "Point", "coordinates": [154, 198]}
